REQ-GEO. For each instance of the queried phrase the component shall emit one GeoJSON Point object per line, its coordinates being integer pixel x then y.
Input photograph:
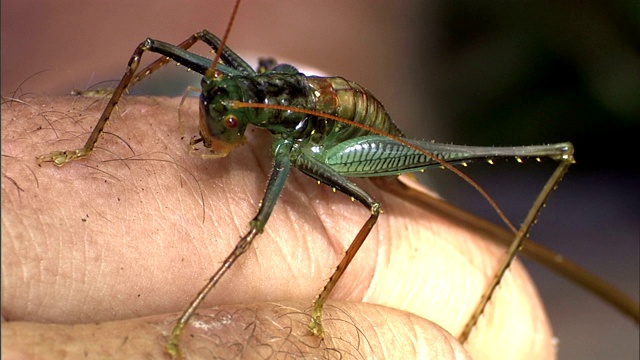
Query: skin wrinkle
{"type": "Point", "coordinates": [320, 228]}
{"type": "Point", "coordinates": [154, 266]}
{"type": "Point", "coordinates": [391, 327]}
{"type": "Point", "coordinates": [47, 265]}
{"type": "Point", "coordinates": [322, 232]}
{"type": "Point", "coordinates": [86, 242]}
{"type": "Point", "coordinates": [297, 257]}
{"type": "Point", "coordinates": [320, 270]}
{"type": "Point", "coordinates": [206, 247]}
{"type": "Point", "coordinates": [423, 348]}
{"type": "Point", "coordinates": [372, 263]}
{"type": "Point", "coordinates": [55, 254]}
{"type": "Point", "coordinates": [95, 290]}
{"type": "Point", "coordinates": [413, 335]}
{"type": "Point", "coordinates": [206, 204]}
{"type": "Point", "coordinates": [295, 181]}
{"type": "Point", "coordinates": [248, 190]}
{"type": "Point", "coordinates": [201, 268]}
{"type": "Point", "coordinates": [468, 281]}
{"type": "Point", "coordinates": [191, 191]}
{"type": "Point", "coordinates": [128, 195]}
{"type": "Point", "coordinates": [315, 202]}
{"type": "Point", "coordinates": [5, 265]}
{"type": "Point", "coordinates": [183, 232]}
{"type": "Point", "coordinates": [381, 235]}
{"type": "Point", "coordinates": [292, 257]}
{"type": "Point", "coordinates": [77, 275]}
{"type": "Point", "coordinates": [386, 250]}
{"type": "Point", "coordinates": [339, 243]}
{"type": "Point", "coordinates": [379, 335]}
{"type": "Point", "coordinates": [384, 253]}
{"type": "Point", "coordinates": [460, 250]}
{"type": "Point", "coordinates": [161, 203]}
{"type": "Point", "coordinates": [304, 227]}
{"type": "Point", "coordinates": [172, 209]}
{"type": "Point", "coordinates": [418, 343]}
{"type": "Point", "coordinates": [362, 288]}
{"type": "Point", "coordinates": [415, 307]}
{"type": "Point", "coordinates": [82, 263]}
{"type": "Point", "coordinates": [195, 192]}
{"type": "Point", "coordinates": [104, 246]}
{"type": "Point", "coordinates": [501, 294]}
{"type": "Point", "coordinates": [326, 221]}
{"type": "Point", "coordinates": [28, 275]}
{"type": "Point", "coordinates": [34, 277]}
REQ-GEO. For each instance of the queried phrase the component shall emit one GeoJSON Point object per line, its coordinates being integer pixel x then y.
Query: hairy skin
{"type": "Point", "coordinates": [100, 256]}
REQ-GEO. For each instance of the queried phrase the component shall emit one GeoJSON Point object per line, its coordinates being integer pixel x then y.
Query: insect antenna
{"type": "Point", "coordinates": [211, 72]}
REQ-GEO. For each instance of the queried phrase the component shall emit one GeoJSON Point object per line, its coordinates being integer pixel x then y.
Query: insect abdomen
{"type": "Point", "coordinates": [346, 99]}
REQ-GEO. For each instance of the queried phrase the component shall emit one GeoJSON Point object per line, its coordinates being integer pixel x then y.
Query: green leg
{"type": "Point", "coordinates": [281, 168]}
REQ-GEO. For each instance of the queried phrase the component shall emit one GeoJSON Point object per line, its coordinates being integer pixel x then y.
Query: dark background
{"type": "Point", "coordinates": [466, 72]}
{"type": "Point", "coordinates": [538, 72]}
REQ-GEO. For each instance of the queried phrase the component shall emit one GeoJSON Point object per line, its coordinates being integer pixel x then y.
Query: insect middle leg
{"type": "Point", "coordinates": [279, 174]}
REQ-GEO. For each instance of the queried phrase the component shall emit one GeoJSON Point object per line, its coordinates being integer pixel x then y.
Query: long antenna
{"type": "Point", "coordinates": [211, 72]}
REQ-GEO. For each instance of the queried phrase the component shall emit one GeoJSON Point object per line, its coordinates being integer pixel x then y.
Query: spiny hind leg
{"type": "Point", "coordinates": [316, 326]}
{"type": "Point", "coordinates": [329, 176]}
{"type": "Point", "coordinates": [565, 158]}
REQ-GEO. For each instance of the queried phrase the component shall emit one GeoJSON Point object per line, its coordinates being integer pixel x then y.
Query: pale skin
{"type": "Point", "coordinates": [99, 257]}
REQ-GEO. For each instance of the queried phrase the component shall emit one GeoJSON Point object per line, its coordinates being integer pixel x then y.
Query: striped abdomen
{"type": "Point", "coordinates": [346, 99]}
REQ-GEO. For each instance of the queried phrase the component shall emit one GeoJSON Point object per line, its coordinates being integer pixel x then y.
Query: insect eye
{"type": "Point", "coordinates": [230, 122]}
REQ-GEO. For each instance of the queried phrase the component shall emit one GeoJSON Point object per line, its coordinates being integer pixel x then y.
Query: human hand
{"type": "Point", "coordinates": [124, 243]}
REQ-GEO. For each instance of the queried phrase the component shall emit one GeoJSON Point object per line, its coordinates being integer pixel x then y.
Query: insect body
{"type": "Point", "coordinates": [307, 117]}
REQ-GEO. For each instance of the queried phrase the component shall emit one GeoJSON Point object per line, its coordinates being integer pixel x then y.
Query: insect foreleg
{"type": "Point", "coordinates": [228, 56]}
{"type": "Point", "coordinates": [160, 62]}
{"type": "Point", "coordinates": [192, 61]}
{"type": "Point", "coordinates": [279, 173]}
{"type": "Point", "coordinates": [60, 158]}
{"type": "Point", "coordinates": [329, 176]}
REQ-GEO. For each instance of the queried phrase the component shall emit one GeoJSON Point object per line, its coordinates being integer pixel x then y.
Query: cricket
{"type": "Point", "coordinates": [332, 130]}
